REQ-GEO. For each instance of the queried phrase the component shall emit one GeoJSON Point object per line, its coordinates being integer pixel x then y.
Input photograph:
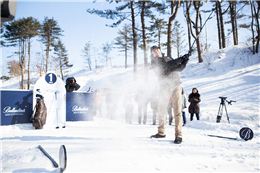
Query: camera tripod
{"type": "Point", "coordinates": [220, 109]}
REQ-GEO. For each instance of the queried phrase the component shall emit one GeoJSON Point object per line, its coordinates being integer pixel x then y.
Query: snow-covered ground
{"type": "Point", "coordinates": [105, 145]}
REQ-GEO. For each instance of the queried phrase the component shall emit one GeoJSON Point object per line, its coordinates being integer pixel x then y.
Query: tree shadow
{"type": "Point", "coordinates": [35, 170]}
{"type": "Point", "coordinates": [41, 138]}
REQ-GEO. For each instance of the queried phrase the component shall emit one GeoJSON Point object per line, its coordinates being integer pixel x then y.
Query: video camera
{"type": "Point", "coordinates": [71, 84]}
{"type": "Point", "coordinates": [223, 99]}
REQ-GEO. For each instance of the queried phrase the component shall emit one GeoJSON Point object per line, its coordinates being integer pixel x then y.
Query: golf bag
{"type": "Point", "coordinates": [40, 113]}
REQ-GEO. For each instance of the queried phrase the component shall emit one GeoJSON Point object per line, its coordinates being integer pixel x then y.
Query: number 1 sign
{"type": "Point", "coordinates": [52, 88]}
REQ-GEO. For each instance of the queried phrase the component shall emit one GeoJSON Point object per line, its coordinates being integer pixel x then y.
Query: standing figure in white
{"type": "Point", "coordinates": [52, 89]}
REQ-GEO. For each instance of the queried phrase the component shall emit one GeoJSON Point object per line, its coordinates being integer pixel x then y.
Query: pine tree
{"type": "Point", "coordinates": [145, 7]}
{"type": "Point", "coordinates": [32, 29]}
{"type": "Point", "coordinates": [197, 26]}
{"type": "Point", "coordinates": [174, 9]}
{"type": "Point", "coordinates": [156, 30]}
{"type": "Point", "coordinates": [220, 23]}
{"type": "Point", "coordinates": [86, 54]}
{"type": "Point", "coordinates": [50, 31]}
{"type": "Point", "coordinates": [107, 48]}
{"type": "Point", "coordinates": [188, 22]}
{"type": "Point", "coordinates": [61, 57]}
{"type": "Point", "coordinates": [19, 33]}
{"type": "Point", "coordinates": [233, 17]}
{"type": "Point", "coordinates": [14, 36]}
{"type": "Point", "coordinates": [119, 15]}
{"type": "Point", "coordinates": [124, 41]}
{"type": "Point", "coordinates": [255, 25]}
{"type": "Point", "coordinates": [178, 34]}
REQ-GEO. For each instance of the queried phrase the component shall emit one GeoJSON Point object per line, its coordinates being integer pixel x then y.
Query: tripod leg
{"type": "Point", "coordinates": [227, 113]}
{"type": "Point", "coordinates": [220, 111]}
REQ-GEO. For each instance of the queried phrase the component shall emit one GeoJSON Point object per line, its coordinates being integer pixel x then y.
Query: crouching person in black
{"type": "Point", "coordinates": [71, 84]}
{"type": "Point", "coordinates": [168, 70]}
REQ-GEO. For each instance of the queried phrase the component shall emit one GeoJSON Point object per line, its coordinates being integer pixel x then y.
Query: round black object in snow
{"type": "Point", "coordinates": [246, 133]}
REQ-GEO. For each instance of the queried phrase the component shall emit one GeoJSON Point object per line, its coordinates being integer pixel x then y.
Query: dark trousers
{"type": "Point", "coordinates": [171, 118]}
{"type": "Point", "coordinates": [197, 116]}
{"type": "Point", "coordinates": [154, 117]}
{"type": "Point", "coordinates": [184, 117]}
{"type": "Point", "coordinates": [170, 114]}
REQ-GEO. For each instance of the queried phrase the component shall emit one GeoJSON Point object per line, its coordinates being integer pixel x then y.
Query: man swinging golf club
{"type": "Point", "coordinates": [167, 70]}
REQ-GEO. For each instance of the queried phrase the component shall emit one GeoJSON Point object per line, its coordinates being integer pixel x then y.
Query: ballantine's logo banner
{"type": "Point", "coordinates": [10, 111]}
{"type": "Point", "coordinates": [79, 106]}
{"type": "Point", "coordinates": [16, 106]}
{"type": "Point", "coordinates": [80, 110]}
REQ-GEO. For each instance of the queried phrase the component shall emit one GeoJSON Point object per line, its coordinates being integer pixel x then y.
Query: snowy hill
{"type": "Point", "coordinates": [105, 145]}
{"type": "Point", "coordinates": [233, 73]}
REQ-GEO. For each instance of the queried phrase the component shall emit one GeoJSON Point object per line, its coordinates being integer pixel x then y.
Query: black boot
{"type": "Point", "coordinates": [157, 135]}
{"type": "Point", "coordinates": [177, 140]}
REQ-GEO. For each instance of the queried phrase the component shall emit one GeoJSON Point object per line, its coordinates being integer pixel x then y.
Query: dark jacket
{"type": "Point", "coordinates": [194, 99]}
{"type": "Point", "coordinates": [167, 65]}
{"type": "Point", "coordinates": [71, 84]}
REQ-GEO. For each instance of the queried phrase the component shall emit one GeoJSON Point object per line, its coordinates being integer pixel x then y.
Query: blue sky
{"type": "Point", "coordinates": [78, 25]}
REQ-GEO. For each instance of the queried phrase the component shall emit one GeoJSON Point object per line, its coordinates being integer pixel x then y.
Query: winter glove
{"type": "Point", "coordinates": [185, 57]}
{"type": "Point", "coordinates": [176, 64]}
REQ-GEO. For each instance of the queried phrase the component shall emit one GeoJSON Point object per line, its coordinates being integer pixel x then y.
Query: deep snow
{"type": "Point", "coordinates": [105, 145]}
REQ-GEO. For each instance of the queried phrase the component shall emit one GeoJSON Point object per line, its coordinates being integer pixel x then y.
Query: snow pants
{"type": "Point", "coordinates": [166, 93]}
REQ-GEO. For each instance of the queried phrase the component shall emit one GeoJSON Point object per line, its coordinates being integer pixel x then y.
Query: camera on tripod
{"type": "Point", "coordinates": [220, 110]}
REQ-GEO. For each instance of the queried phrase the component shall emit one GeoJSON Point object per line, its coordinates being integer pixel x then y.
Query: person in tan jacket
{"type": "Point", "coordinates": [169, 81]}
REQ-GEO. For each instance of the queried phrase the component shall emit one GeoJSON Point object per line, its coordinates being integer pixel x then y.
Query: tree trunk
{"type": "Point", "coordinates": [252, 26]}
{"type": "Point", "coordinates": [188, 4]}
{"type": "Point", "coordinates": [178, 52]}
{"type": "Point", "coordinates": [197, 29]}
{"type": "Point", "coordinates": [233, 16]}
{"type": "Point", "coordinates": [21, 63]}
{"type": "Point", "coordinates": [106, 60]}
{"type": "Point", "coordinates": [169, 30]}
{"type": "Point", "coordinates": [199, 51]}
{"type": "Point", "coordinates": [22, 76]}
{"type": "Point", "coordinates": [28, 63]}
{"type": "Point", "coordinates": [222, 26]}
{"type": "Point", "coordinates": [159, 37]}
{"type": "Point", "coordinates": [89, 64]}
{"type": "Point", "coordinates": [178, 46]}
{"type": "Point", "coordinates": [218, 24]}
{"type": "Point", "coordinates": [126, 56]}
{"type": "Point", "coordinates": [134, 35]}
{"type": "Point", "coordinates": [169, 39]}
{"type": "Point", "coordinates": [96, 66]}
{"type": "Point", "coordinates": [47, 52]}
{"type": "Point", "coordinates": [47, 58]}
{"type": "Point", "coordinates": [144, 34]}
{"type": "Point", "coordinates": [61, 71]}
{"type": "Point", "coordinates": [257, 25]}
{"type": "Point", "coordinates": [206, 39]}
